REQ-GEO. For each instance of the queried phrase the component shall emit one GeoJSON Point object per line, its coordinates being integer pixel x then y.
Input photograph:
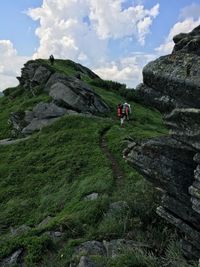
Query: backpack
{"type": "Point", "coordinates": [119, 111]}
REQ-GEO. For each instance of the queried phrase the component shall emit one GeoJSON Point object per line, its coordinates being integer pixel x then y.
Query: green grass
{"type": "Point", "coordinates": [52, 172]}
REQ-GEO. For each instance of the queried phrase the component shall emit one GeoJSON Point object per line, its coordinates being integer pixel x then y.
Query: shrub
{"type": "Point", "coordinates": [13, 92]}
{"type": "Point", "coordinates": [108, 84]}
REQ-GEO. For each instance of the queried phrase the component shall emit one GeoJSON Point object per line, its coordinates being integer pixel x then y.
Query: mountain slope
{"type": "Point", "coordinates": [46, 182]}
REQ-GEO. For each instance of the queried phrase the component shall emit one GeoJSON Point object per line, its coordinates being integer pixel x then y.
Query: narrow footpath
{"type": "Point", "coordinates": [117, 172]}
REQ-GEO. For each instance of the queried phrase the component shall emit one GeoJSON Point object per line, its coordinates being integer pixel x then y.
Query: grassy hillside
{"type": "Point", "coordinates": [52, 172]}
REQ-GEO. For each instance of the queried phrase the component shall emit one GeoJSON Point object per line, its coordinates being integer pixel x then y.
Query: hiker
{"type": "Point", "coordinates": [121, 114]}
{"type": "Point", "coordinates": [51, 59]}
{"type": "Point", "coordinates": [127, 110]}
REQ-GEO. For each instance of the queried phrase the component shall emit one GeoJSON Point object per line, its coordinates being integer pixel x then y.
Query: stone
{"type": "Point", "coordinates": [55, 235]}
{"type": "Point", "coordinates": [23, 229]}
{"type": "Point", "coordinates": [86, 262]}
{"type": "Point", "coordinates": [16, 120]}
{"type": "Point", "coordinates": [13, 141]}
{"type": "Point", "coordinates": [27, 74]}
{"type": "Point", "coordinates": [172, 264]}
{"type": "Point", "coordinates": [44, 111]}
{"type": "Point", "coordinates": [37, 125]}
{"type": "Point", "coordinates": [184, 121]}
{"type": "Point", "coordinates": [41, 75]}
{"type": "Point", "coordinates": [92, 196]}
{"type": "Point", "coordinates": [72, 93]}
{"type": "Point", "coordinates": [188, 43]}
{"type": "Point", "coordinates": [189, 250]}
{"type": "Point", "coordinates": [43, 114]}
{"type": "Point", "coordinates": [13, 259]}
{"type": "Point", "coordinates": [45, 222]}
{"type": "Point", "coordinates": [91, 248]}
{"type": "Point", "coordinates": [116, 208]}
{"type": "Point", "coordinates": [106, 248]}
{"type": "Point", "coordinates": [166, 162]}
{"type": "Point", "coordinates": [153, 98]}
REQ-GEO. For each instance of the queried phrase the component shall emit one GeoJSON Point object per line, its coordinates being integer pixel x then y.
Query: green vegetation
{"type": "Point", "coordinates": [52, 172]}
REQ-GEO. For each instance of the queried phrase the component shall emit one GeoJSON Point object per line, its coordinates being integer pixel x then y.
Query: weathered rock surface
{"type": "Point", "coordinates": [74, 94]}
{"type": "Point", "coordinates": [45, 222]}
{"type": "Point", "coordinates": [110, 248]}
{"type": "Point", "coordinates": [92, 196]}
{"type": "Point", "coordinates": [91, 248]}
{"type": "Point", "coordinates": [172, 85]}
{"type": "Point", "coordinates": [13, 259]}
{"type": "Point", "coordinates": [43, 114]}
{"type": "Point", "coordinates": [5, 142]}
{"type": "Point", "coordinates": [188, 43]}
{"type": "Point", "coordinates": [117, 208]}
{"type": "Point", "coordinates": [173, 81]}
{"type": "Point", "coordinates": [69, 94]}
{"type": "Point", "coordinates": [86, 262]}
{"type": "Point", "coordinates": [23, 229]}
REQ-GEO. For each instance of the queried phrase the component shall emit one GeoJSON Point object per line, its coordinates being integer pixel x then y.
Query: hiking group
{"type": "Point", "coordinates": [123, 113]}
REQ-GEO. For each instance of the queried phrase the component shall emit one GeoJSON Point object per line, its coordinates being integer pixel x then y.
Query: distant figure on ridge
{"type": "Point", "coordinates": [51, 59]}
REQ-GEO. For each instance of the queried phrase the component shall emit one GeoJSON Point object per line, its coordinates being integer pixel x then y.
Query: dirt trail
{"type": "Point", "coordinates": [117, 172]}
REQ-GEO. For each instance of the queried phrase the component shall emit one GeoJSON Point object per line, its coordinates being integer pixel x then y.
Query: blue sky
{"type": "Point", "coordinates": [116, 44]}
{"type": "Point", "coordinates": [16, 26]}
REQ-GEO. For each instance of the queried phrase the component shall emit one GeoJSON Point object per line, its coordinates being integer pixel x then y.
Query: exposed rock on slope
{"type": "Point", "coordinates": [69, 95]}
{"type": "Point", "coordinates": [174, 80]}
{"type": "Point", "coordinates": [172, 84]}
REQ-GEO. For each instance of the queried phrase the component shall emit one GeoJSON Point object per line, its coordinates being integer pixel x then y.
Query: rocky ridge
{"type": "Point", "coordinates": [69, 95]}
{"type": "Point", "coordinates": [172, 84]}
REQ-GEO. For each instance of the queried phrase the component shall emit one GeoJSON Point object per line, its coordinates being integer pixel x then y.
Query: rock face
{"type": "Point", "coordinates": [172, 163]}
{"type": "Point", "coordinates": [42, 114]}
{"type": "Point", "coordinates": [69, 94]}
{"type": "Point", "coordinates": [174, 80]}
{"type": "Point", "coordinates": [13, 260]}
{"type": "Point", "coordinates": [86, 262]}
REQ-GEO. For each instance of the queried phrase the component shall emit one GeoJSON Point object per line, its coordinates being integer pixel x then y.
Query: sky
{"type": "Point", "coordinates": [115, 38]}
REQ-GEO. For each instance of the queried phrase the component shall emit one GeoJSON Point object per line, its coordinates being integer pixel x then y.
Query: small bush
{"type": "Point", "coordinates": [36, 247]}
{"type": "Point", "coordinates": [134, 258]}
{"type": "Point", "coordinates": [108, 84]}
{"type": "Point", "coordinates": [14, 92]}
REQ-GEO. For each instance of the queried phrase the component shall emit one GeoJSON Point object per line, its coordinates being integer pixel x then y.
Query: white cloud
{"type": "Point", "coordinates": [191, 11]}
{"type": "Point", "coordinates": [81, 30]}
{"type": "Point", "coordinates": [190, 18]}
{"type": "Point", "coordinates": [64, 32]}
{"type": "Point", "coordinates": [111, 21]}
{"type": "Point", "coordinates": [127, 70]}
{"type": "Point", "coordinates": [10, 64]}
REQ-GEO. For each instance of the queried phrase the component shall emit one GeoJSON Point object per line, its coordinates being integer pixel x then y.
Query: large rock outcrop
{"type": "Point", "coordinates": [174, 80]}
{"type": "Point", "coordinates": [172, 85]}
{"type": "Point", "coordinates": [69, 94]}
